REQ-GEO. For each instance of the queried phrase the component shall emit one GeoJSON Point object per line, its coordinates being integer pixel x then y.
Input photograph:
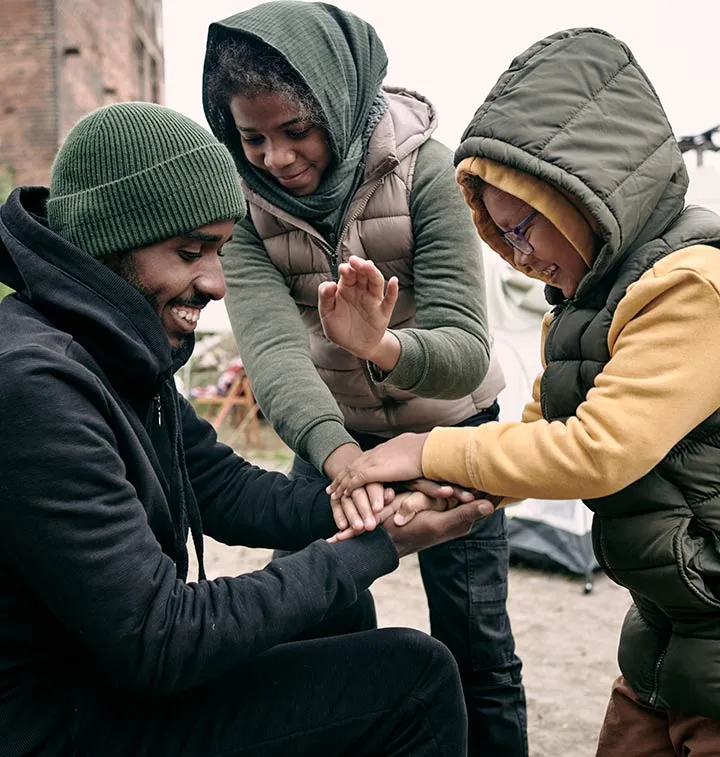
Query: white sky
{"type": "Point", "coordinates": [453, 51]}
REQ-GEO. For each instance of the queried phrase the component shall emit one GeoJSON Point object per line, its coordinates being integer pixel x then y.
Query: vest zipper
{"type": "Point", "coordinates": [158, 408]}
{"type": "Point", "coordinates": [557, 311]}
{"type": "Point", "coordinates": [605, 565]}
{"type": "Point", "coordinates": [656, 678]}
{"type": "Point", "coordinates": [334, 253]}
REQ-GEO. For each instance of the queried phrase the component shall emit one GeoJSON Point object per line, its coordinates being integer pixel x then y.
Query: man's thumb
{"type": "Point", "coordinates": [462, 517]}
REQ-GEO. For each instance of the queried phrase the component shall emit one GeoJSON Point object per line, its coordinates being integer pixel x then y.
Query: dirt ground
{"type": "Point", "coordinates": [566, 639]}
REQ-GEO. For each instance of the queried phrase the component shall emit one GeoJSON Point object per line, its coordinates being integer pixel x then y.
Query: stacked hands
{"type": "Point", "coordinates": [355, 313]}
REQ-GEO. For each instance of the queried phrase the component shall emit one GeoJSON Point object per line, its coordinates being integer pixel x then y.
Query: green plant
{"type": "Point", "coordinates": [7, 181]}
{"type": "Point", "coordinates": [6, 185]}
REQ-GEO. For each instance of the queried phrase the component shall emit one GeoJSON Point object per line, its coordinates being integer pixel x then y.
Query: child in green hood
{"type": "Point", "coordinates": [587, 193]}
{"type": "Point", "coordinates": [335, 165]}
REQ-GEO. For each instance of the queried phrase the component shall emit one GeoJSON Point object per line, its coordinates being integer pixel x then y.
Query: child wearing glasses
{"type": "Point", "coordinates": [587, 193]}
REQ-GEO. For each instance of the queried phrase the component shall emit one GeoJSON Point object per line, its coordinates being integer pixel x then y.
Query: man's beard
{"type": "Point", "coordinates": [126, 269]}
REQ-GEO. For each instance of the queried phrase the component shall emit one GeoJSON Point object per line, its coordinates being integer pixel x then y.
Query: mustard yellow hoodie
{"type": "Point", "coordinates": [659, 384]}
{"type": "Point", "coordinates": [662, 379]}
{"type": "Point", "coordinates": [575, 129]}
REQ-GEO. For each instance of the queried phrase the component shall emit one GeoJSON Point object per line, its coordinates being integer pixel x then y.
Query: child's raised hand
{"type": "Point", "coordinates": [355, 311]}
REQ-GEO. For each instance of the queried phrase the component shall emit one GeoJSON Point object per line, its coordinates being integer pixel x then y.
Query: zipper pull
{"type": "Point", "coordinates": [159, 409]}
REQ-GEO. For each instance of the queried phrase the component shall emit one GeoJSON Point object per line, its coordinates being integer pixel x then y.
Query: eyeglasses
{"type": "Point", "coordinates": [517, 239]}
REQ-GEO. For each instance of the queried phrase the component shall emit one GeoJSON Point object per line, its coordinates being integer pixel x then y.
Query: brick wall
{"type": "Point", "coordinates": [59, 59]}
{"type": "Point", "coordinates": [28, 111]}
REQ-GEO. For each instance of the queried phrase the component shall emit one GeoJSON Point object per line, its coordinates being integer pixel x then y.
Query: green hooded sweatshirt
{"type": "Point", "coordinates": [342, 61]}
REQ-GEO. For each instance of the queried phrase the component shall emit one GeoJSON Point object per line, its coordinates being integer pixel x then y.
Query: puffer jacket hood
{"type": "Point", "coordinates": [576, 112]}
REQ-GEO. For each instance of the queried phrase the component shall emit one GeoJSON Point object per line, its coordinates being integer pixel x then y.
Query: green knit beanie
{"type": "Point", "coordinates": [133, 174]}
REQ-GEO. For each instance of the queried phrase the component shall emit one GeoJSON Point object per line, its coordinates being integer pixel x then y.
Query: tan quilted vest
{"type": "Point", "coordinates": [378, 227]}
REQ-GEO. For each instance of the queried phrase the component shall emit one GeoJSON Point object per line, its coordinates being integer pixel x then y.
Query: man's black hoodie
{"type": "Point", "coordinates": [103, 469]}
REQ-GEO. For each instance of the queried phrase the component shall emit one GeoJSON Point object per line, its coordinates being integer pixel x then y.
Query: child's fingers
{"type": "Point", "coordinates": [363, 506]}
{"type": "Point", "coordinates": [387, 512]}
{"type": "Point", "coordinates": [354, 519]}
{"type": "Point", "coordinates": [326, 297]}
{"type": "Point", "coordinates": [431, 488]}
{"type": "Point", "coordinates": [347, 275]}
{"type": "Point", "coordinates": [414, 503]}
{"type": "Point", "coordinates": [343, 535]}
{"type": "Point", "coordinates": [376, 282]}
{"type": "Point", "coordinates": [391, 296]}
{"type": "Point", "coordinates": [463, 495]}
{"type": "Point", "coordinates": [376, 497]}
{"type": "Point", "coordinates": [368, 276]}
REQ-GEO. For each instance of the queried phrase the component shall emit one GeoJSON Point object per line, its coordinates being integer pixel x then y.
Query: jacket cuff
{"type": "Point", "coordinates": [412, 365]}
{"type": "Point", "coordinates": [322, 525]}
{"type": "Point", "coordinates": [445, 456]}
{"type": "Point", "coordinates": [367, 557]}
{"type": "Point", "coordinates": [321, 441]}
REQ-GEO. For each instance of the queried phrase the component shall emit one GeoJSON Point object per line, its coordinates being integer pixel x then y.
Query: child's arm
{"type": "Point", "coordinates": [662, 380]}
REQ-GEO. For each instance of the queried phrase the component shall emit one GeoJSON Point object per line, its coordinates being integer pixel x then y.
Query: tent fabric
{"type": "Point", "coordinates": [543, 533]}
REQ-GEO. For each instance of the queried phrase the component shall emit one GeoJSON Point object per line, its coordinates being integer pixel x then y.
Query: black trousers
{"type": "Point", "coordinates": [466, 584]}
{"type": "Point", "coordinates": [385, 692]}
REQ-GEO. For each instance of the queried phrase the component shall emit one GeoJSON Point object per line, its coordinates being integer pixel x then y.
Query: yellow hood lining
{"type": "Point", "coordinates": [473, 173]}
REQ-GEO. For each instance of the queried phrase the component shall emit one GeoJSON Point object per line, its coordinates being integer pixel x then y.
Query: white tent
{"type": "Point", "coordinates": [541, 532]}
{"type": "Point", "coordinates": [704, 180]}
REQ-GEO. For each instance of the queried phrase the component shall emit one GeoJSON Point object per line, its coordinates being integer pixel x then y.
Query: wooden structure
{"type": "Point", "coordinates": [237, 406]}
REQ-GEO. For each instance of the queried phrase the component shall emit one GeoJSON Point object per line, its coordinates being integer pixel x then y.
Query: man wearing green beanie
{"type": "Point", "coordinates": [105, 647]}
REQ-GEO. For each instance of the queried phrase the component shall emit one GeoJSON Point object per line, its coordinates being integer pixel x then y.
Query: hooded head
{"type": "Point", "coordinates": [575, 131]}
{"type": "Point", "coordinates": [326, 66]}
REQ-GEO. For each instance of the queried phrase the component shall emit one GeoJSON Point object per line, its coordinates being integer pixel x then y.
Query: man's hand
{"type": "Point", "coordinates": [399, 459]}
{"type": "Point", "coordinates": [431, 527]}
{"type": "Point", "coordinates": [355, 312]}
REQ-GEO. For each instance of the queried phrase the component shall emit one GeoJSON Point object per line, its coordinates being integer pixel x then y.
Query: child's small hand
{"type": "Point", "coordinates": [355, 311]}
{"type": "Point", "coordinates": [358, 511]}
{"type": "Point", "coordinates": [402, 508]}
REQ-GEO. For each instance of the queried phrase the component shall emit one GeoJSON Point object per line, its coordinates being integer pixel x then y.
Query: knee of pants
{"type": "Point", "coordinates": [412, 648]}
{"type": "Point", "coordinates": [360, 616]}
